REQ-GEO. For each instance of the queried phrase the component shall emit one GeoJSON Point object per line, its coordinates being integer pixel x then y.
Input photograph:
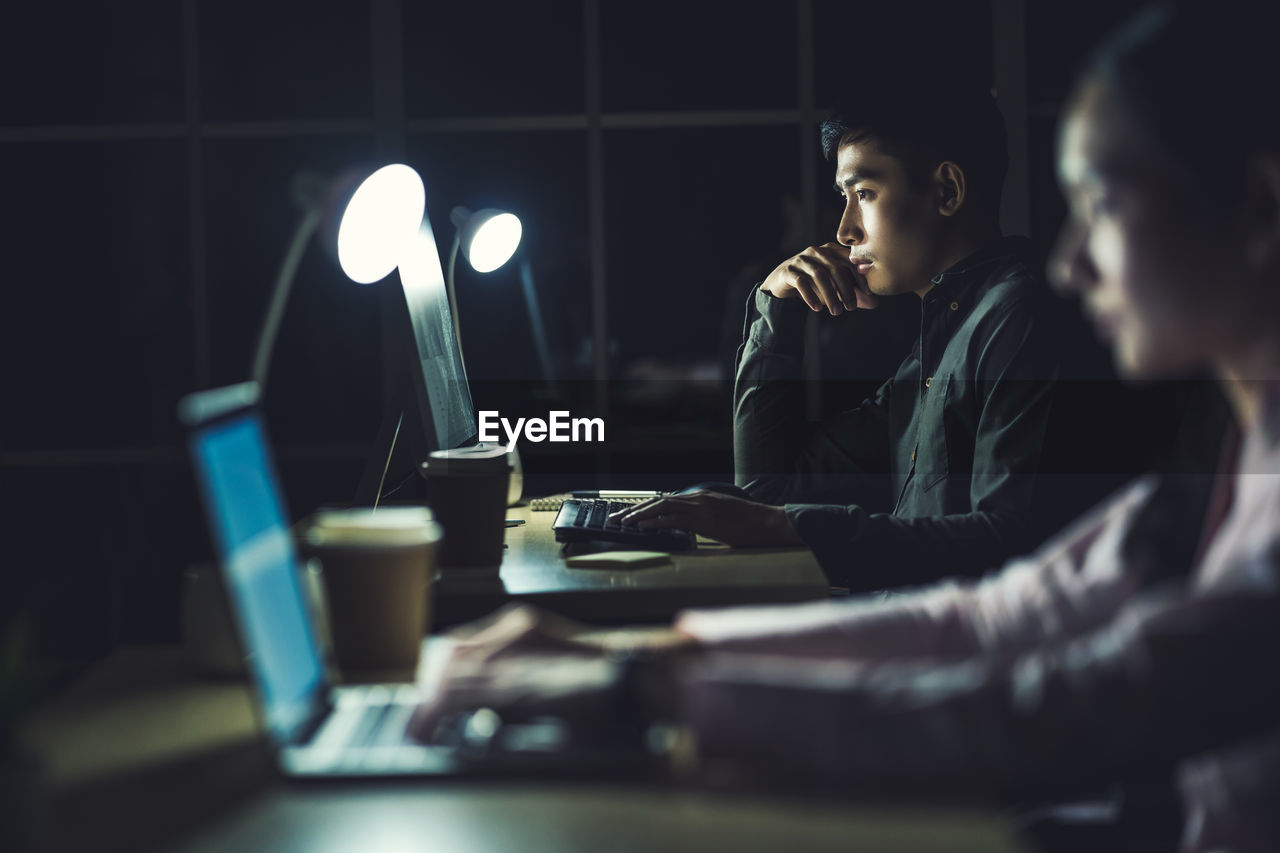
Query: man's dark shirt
{"type": "Point", "coordinates": [933, 476]}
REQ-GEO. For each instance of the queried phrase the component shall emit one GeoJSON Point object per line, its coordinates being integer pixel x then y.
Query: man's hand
{"type": "Point", "coordinates": [725, 518]}
{"type": "Point", "coordinates": [824, 277]}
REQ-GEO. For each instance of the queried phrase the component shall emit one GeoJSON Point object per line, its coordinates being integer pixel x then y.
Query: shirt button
{"type": "Point", "coordinates": [927, 381]}
{"type": "Point", "coordinates": [913, 456]}
{"type": "Point", "coordinates": [955, 306]}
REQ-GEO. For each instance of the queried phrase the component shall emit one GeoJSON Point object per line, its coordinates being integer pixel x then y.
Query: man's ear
{"type": "Point", "coordinates": [1262, 211]}
{"type": "Point", "coordinates": [949, 183]}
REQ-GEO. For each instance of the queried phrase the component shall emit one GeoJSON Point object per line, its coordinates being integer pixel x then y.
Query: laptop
{"type": "Point", "coordinates": [315, 728]}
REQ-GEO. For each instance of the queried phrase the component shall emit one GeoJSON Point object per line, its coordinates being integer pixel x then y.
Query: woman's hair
{"type": "Point", "coordinates": [1201, 77]}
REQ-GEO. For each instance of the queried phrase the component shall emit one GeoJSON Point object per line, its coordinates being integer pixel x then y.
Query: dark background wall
{"type": "Point", "coordinates": [663, 156]}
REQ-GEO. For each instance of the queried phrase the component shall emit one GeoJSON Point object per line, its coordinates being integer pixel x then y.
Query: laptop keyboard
{"type": "Point", "coordinates": [368, 717]}
{"type": "Point", "coordinates": [370, 725]}
{"type": "Point", "coordinates": [588, 520]}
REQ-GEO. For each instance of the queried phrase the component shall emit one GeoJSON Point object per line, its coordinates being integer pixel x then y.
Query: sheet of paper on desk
{"type": "Point", "coordinates": [619, 560]}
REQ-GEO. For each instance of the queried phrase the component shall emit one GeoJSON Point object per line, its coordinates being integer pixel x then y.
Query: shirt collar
{"type": "Point", "coordinates": [975, 265]}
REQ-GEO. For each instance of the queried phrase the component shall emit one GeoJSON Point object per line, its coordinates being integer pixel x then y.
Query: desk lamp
{"type": "Point", "coordinates": [487, 239]}
{"type": "Point", "coordinates": [369, 222]}
{"type": "Point", "coordinates": [377, 225]}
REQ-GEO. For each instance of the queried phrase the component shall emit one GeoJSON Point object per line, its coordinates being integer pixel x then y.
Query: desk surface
{"type": "Point", "coordinates": [143, 755]}
{"type": "Point", "coordinates": [534, 570]}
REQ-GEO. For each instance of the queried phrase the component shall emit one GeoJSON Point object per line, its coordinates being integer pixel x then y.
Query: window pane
{"type": "Point", "coordinates": [325, 380]}
{"type": "Point", "coordinates": [1058, 40]}
{"type": "Point", "coordinates": [694, 217]}
{"type": "Point", "coordinates": [493, 58]}
{"type": "Point", "coordinates": [287, 59]}
{"type": "Point", "coordinates": [1047, 205]}
{"type": "Point", "coordinates": [858, 44]}
{"type": "Point", "coordinates": [692, 214]}
{"type": "Point", "coordinates": [97, 329]}
{"type": "Point", "coordinates": [541, 177]}
{"type": "Point", "coordinates": [99, 62]}
{"type": "Point", "coordinates": [676, 55]}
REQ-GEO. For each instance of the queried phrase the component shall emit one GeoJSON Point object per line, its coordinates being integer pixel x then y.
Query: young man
{"type": "Point", "coordinates": [935, 475]}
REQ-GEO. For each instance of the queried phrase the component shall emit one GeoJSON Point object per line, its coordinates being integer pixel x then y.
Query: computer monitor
{"type": "Point", "coordinates": [430, 408]}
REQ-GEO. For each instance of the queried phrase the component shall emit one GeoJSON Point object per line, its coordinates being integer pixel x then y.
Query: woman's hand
{"type": "Point", "coordinates": [523, 663]}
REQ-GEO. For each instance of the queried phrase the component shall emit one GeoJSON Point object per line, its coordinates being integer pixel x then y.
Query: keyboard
{"type": "Point", "coordinates": [365, 717]}
{"type": "Point", "coordinates": [587, 520]}
{"type": "Point", "coordinates": [552, 503]}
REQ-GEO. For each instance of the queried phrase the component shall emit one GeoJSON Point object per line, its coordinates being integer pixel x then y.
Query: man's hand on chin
{"type": "Point", "coordinates": [825, 277]}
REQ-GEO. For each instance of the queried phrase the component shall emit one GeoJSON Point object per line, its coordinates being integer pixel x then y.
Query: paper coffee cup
{"type": "Point", "coordinates": [377, 567]}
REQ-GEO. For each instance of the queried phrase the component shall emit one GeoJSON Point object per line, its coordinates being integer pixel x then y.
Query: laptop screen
{"type": "Point", "coordinates": [259, 563]}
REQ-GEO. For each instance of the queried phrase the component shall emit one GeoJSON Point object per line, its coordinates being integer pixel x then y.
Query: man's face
{"type": "Point", "coordinates": [1151, 267]}
{"type": "Point", "coordinates": [891, 223]}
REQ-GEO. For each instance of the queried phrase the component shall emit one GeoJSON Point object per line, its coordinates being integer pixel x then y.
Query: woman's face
{"type": "Point", "coordinates": [1154, 262]}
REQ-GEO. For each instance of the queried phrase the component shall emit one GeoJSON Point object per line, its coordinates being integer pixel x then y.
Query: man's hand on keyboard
{"type": "Point", "coordinates": [725, 518]}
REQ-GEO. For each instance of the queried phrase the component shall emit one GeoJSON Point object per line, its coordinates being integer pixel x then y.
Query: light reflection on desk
{"type": "Point", "coordinates": [533, 570]}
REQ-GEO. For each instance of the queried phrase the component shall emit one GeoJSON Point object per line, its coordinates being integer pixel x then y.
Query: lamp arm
{"type": "Point", "coordinates": [280, 294]}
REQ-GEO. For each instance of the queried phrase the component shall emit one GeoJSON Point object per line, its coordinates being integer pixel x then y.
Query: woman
{"type": "Point", "coordinates": [1070, 666]}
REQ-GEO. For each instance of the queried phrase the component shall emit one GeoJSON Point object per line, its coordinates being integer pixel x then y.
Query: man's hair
{"type": "Point", "coordinates": [1199, 78]}
{"type": "Point", "coordinates": [924, 124]}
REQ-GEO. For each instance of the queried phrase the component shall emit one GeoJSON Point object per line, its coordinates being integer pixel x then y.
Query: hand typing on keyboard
{"type": "Point", "coordinates": [520, 663]}
{"type": "Point", "coordinates": [726, 518]}
{"type": "Point", "coordinates": [594, 519]}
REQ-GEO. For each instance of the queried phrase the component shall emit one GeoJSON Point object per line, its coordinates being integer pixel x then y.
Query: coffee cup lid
{"type": "Point", "coordinates": [477, 459]}
{"type": "Point", "coordinates": [395, 525]}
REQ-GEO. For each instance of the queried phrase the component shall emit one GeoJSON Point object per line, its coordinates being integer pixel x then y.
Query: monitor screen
{"type": "Point", "coordinates": [431, 408]}
{"type": "Point", "coordinates": [248, 521]}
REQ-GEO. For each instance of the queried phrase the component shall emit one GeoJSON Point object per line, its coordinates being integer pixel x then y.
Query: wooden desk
{"type": "Point", "coordinates": [534, 570]}
{"type": "Point", "coordinates": [143, 755]}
